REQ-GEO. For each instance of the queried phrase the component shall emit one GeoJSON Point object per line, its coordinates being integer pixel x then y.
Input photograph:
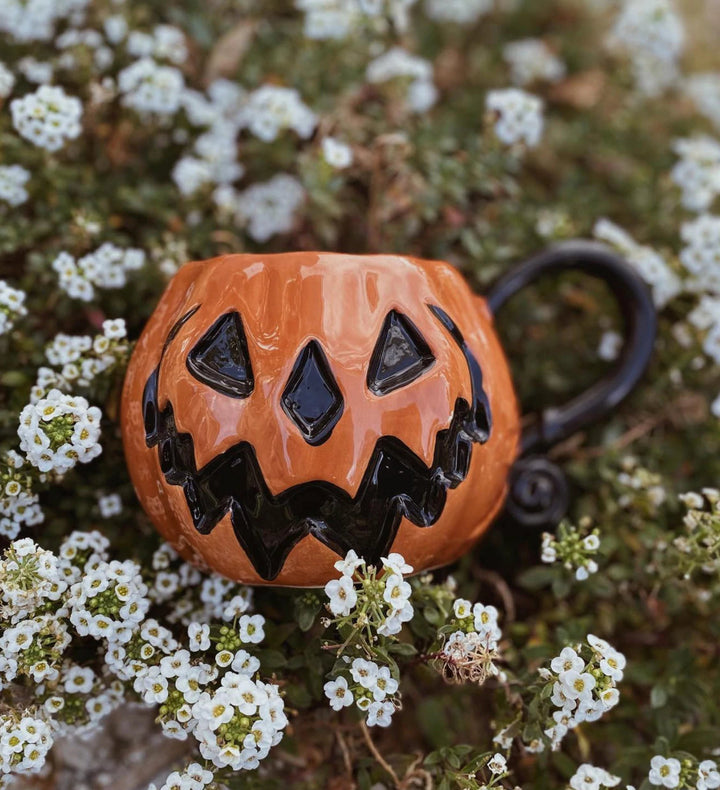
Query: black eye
{"type": "Point", "coordinates": [400, 355]}
{"type": "Point", "coordinates": [221, 360]}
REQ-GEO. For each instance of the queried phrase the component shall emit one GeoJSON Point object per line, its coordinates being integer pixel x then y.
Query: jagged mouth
{"type": "Point", "coordinates": [397, 483]}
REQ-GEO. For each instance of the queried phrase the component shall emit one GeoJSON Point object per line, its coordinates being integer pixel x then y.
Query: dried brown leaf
{"type": "Point", "coordinates": [230, 49]}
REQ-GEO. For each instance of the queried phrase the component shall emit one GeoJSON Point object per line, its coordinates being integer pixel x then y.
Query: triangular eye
{"type": "Point", "coordinates": [221, 360]}
{"type": "Point", "coordinates": [400, 355]}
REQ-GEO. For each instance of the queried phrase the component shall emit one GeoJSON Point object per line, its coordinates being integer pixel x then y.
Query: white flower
{"type": "Point", "coordinates": [609, 347]}
{"type": "Point", "coordinates": [114, 329]}
{"type": "Point", "coordinates": [245, 664]}
{"type": "Point", "coordinates": [397, 591]}
{"type": "Point", "coordinates": [385, 684]}
{"type": "Point", "coordinates": [462, 608]}
{"type": "Point", "coordinates": [708, 776]}
{"type": "Point", "coordinates": [498, 764]}
{"type": "Point", "coordinates": [342, 595]}
{"type": "Point", "coordinates": [350, 564]}
{"type": "Point", "coordinates": [531, 60]}
{"type": "Point", "coordinates": [12, 184]}
{"type": "Point", "coordinates": [7, 80]}
{"type": "Point", "coordinates": [609, 697]}
{"type": "Point", "coordinates": [519, 116]}
{"type": "Point", "coordinates": [199, 636]}
{"type": "Point", "coordinates": [251, 628]}
{"type": "Point", "coordinates": [379, 714]}
{"type": "Point", "coordinates": [397, 63]}
{"type": "Point", "coordinates": [48, 118]}
{"type": "Point", "coordinates": [79, 680]}
{"type": "Point", "coordinates": [568, 659]}
{"type": "Point", "coordinates": [612, 665]}
{"type": "Point", "coordinates": [110, 505]}
{"type": "Point", "coordinates": [664, 772]}
{"type": "Point", "coordinates": [485, 616]}
{"type": "Point", "coordinates": [577, 685]}
{"type": "Point", "coordinates": [395, 563]}
{"type": "Point", "coordinates": [364, 672]}
{"type": "Point", "coordinates": [338, 693]}
{"type": "Point", "coordinates": [588, 777]}
{"type": "Point", "coordinates": [336, 153]}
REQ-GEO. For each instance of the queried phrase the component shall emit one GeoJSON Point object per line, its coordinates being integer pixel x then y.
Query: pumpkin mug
{"type": "Point", "coordinates": [280, 410]}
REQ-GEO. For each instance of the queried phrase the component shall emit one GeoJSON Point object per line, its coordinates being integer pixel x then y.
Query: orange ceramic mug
{"type": "Point", "coordinates": [280, 410]}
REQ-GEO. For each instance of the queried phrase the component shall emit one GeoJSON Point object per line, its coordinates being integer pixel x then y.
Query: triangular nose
{"type": "Point", "coordinates": [312, 398]}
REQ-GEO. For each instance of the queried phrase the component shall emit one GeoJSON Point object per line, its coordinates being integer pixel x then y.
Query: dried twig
{"type": "Point", "coordinates": [376, 754]}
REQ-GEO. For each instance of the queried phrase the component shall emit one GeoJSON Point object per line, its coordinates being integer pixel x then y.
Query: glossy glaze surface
{"type": "Point", "coordinates": [281, 409]}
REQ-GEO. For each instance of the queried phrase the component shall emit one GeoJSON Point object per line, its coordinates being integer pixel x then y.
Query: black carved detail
{"type": "Point", "coordinates": [396, 484]}
{"type": "Point", "coordinates": [482, 418]}
{"type": "Point", "coordinates": [400, 355]}
{"type": "Point", "coordinates": [311, 397]}
{"type": "Point", "coordinates": [221, 358]}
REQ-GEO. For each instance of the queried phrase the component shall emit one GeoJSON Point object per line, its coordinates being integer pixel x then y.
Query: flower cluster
{"type": "Point", "coordinates": [166, 42]}
{"type": "Point", "coordinates": [704, 90]}
{"type": "Point", "coordinates": [652, 35]}
{"type": "Point", "coordinates": [195, 597]}
{"type": "Point", "coordinates": [462, 12]}
{"type": "Point", "coordinates": [207, 685]}
{"type": "Point", "coordinates": [639, 487]}
{"type": "Point", "coordinates": [336, 19]}
{"type": "Point", "coordinates": [24, 743]}
{"type": "Point", "coordinates": [12, 184]}
{"type": "Point", "coordinates": [375, 610]}
{"type": "Point", "coordinates": [271, 108]}
{"type": "Point", "coordinates": [35, 20]}
{"type": "Point", "coordinates": [370, 686]}
{"type": "Point", "coordinates": [470, 647]}
{"type": "Point", "coordinates": [651, 266]}
{"type": "Point", "coordinates": [59, 431]}
{"type": "Point", "coordinates": [11, 306]}
{"type": "Point", "coordinates": [399, 64]}
{"type": "Point", "coordinates": [150, 88]}
{"type": "Point", "coordinates": [583, 683]}
{"type": "Point", "coordinates": [79, 359]}
{"type": "Point", "coordinates": [234, 716]}
{"type": "Point", "coordinates": [48, 118]}
{"type": "Point", "coordinates": [531, 60]}
{"type": "Point", "coordinates": [697, 172]}
{"type": "Point", "coordinates": [110, 600]}
{"type": "Point", "coordinates": [574, 547]}
{"type": "Point", "coordinates": [518, 116]}
{"type": "Point", "coordinates": [18, 503]}
{"type": "Point", "coordinates": [382, 599]}
{"type": "Point", "coordinates": [685, 774]}
{"type": "Point", "coordinates": [106, 267]}
{"type": "Point", "coordinates": [697, 550]}
{"type": "Point", "coordinates": [266, 208]}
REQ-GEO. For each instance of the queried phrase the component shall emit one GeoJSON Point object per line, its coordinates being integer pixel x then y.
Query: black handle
{"type": "Point", "coordinates": [535, 489]}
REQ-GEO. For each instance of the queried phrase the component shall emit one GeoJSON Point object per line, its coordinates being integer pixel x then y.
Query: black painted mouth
{"type": "Point", "coordinates": [396, 483]}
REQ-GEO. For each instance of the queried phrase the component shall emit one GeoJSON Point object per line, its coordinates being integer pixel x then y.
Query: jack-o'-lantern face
{"type": "Point", "coordinates": [281, 410]}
